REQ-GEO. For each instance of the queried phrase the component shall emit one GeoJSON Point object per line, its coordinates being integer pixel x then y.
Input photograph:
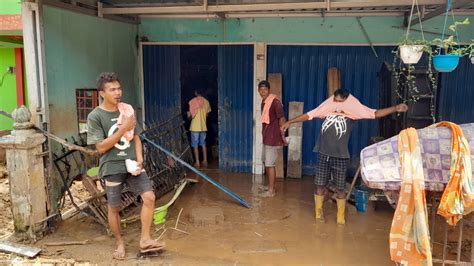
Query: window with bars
{"type": "Point", "coordinates": [86, 101]}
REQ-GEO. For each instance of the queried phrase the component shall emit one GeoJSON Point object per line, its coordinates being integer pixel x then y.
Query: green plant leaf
{"type": "Point", "coordinates": [457, 23]}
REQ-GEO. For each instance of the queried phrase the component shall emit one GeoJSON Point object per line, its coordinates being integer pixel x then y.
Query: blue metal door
{"type": "Point", "coordinates": [161, 80]}
{"type": "Point", "coordinates": [235, 81]}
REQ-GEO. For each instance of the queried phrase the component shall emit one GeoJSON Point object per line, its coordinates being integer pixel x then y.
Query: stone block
{"type": "Point", "coordinates": [204, 216]}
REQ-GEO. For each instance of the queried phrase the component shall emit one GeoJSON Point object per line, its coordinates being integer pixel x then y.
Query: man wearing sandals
{"type": "Point", "coordinates": [339, 113]}
{"type": "Point", "coordinates": [116, 139]}
{"type": "Point", "coordinates": [272, 118]}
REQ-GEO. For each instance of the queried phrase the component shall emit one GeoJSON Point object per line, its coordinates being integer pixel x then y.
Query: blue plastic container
{"type": "Point", "coordinates": [445, 63]}
{"type": "Point", "coordinates": [361, 198]}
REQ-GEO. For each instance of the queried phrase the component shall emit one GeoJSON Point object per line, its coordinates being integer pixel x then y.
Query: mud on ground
{"type": "Point", "coordinates": [6, 220]}
{"type": "Point", "coordinates": [276, 231]}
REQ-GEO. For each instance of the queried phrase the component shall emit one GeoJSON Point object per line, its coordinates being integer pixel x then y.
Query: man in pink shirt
{"type": "Point", "coordinates": [339, 113]}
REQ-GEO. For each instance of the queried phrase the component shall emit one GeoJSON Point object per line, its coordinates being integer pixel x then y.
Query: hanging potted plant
{"type": "Point", "coordinates": [448, 61]}
{"type": "Point", "coordinates": [411, 51]}
{"type": "Point", "coordinates": [405, 77]}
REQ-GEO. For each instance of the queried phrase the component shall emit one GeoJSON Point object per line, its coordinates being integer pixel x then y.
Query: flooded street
{"type": "Point", "coordinates": [278, 231]}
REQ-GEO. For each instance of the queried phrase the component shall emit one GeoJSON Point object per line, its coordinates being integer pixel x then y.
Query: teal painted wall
{"type": "Point", "coordinates": [288, 30]}
{"type": "Point", "coordinates": [78, 48]}
{"type": "Point", "coordinates": [8, 87]}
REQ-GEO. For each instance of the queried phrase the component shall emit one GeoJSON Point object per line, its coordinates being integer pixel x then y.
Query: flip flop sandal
{"type": "Point", "coordinates": [151, 250]}
{"type": "Point", "coordinates": [154, 246]}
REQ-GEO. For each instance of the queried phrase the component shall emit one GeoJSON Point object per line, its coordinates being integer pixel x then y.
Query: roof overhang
{"type": "Point", "coordinates": [131, 10]}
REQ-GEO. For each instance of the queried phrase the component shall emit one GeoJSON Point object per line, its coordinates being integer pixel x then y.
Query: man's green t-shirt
{"type": "Point", "coordinates": [100, 125]}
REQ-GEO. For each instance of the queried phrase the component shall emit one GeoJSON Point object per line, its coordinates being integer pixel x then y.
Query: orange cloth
{"type": "Point", "coordinates": [126, 109]}
{"type": "Point", "coordinates": [266, 108]}
{"type": "Point", "coordinates": [458, 196]}
{"type": "Point", "coordinates": [351, 108]}
{"type": "Point", "coordinates": [195, 104]}
{"type": "Point", "coordinates": [409, 235]}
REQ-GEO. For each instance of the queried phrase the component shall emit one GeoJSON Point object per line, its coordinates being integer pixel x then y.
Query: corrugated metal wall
{"type": "Point", "coordinates": [304, 72]}
{"type": "Point", "coordinates": [235, 78]}
{"type": "Point", "coordinates": [161, 73]}
{"type": "Point", "coordinates": [457, 93]}
{"type": "Point", "coordinates": [304, 77]}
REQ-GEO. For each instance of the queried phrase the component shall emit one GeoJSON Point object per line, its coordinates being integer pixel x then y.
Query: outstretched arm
{"type": "Point", "coordinates": [298, 119]}
{"type": "Point", "coordinates": [400, 108]}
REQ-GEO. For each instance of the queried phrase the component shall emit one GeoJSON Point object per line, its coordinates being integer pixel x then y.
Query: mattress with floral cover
{"type": "Point", "coordinates": [380, 162]}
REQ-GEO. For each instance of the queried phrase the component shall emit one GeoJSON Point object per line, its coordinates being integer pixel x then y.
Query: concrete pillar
{"type": "Point", "coordinates": [260, 73]}
{"type": "Point", "coordinates": [35, 65]}
{"type": "Point", "coordinates": [26, 175]}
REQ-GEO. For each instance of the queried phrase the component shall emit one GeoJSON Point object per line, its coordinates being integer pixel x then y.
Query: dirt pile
{"type": "Point", "coordinates": [6, 220]}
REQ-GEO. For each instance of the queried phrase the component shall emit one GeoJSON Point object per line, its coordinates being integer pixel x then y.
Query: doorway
{"type": "Point", "coordinates": [199, 75]}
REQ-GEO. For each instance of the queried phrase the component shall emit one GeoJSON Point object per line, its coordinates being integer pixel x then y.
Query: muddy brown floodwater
{"type": "Point", "coordinates": [278, 231]}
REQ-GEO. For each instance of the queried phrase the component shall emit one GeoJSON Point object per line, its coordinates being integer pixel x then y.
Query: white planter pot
{"type": "Point", "coordinates": [472, 59]}
{"type": "Point", "coordinates": [411, 54]}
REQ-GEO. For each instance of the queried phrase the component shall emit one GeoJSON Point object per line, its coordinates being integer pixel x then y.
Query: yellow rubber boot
{"type": "Point", "coordinates": [341, 207]}
{"type": "Point", "coordinates": [318, 208]}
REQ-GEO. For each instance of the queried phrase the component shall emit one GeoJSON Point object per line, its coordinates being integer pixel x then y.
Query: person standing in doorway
{"type": "Point", "coordinates": [199, 109]}
{"type": "Point", "coordinates": [273, 117]}
{"type": "Point", "coordinates": [339, 112]}
{"type": "Point", "coordinates": [111, 128]}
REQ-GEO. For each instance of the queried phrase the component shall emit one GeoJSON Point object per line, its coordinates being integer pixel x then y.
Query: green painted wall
{"type": "Point", "coordinates": [10, 7]}
{"type": "Point", "coordinates": [78, 48]}
{"type": "Point", "coordinates": [8, 87]}
{"type": "Point", "coordinates": [289, 30]}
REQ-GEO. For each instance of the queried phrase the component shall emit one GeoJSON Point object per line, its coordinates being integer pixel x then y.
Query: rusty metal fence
{"type": "Point", "coordinates": [162, 169]}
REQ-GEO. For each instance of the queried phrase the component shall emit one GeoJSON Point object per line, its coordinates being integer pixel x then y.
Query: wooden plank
{"type": "Point", "coordinates": [66, 243]}
{"type": "Point", "coordinates": [73, 211]}
{"type": "Point", "coordinates": [23, 250]}
{"type": "Point", "coordinates": [276, 88]}
{"type": "Point", "coordinates": [295, 133]}
{"type": "Point", "coordinates": [334, 80]}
